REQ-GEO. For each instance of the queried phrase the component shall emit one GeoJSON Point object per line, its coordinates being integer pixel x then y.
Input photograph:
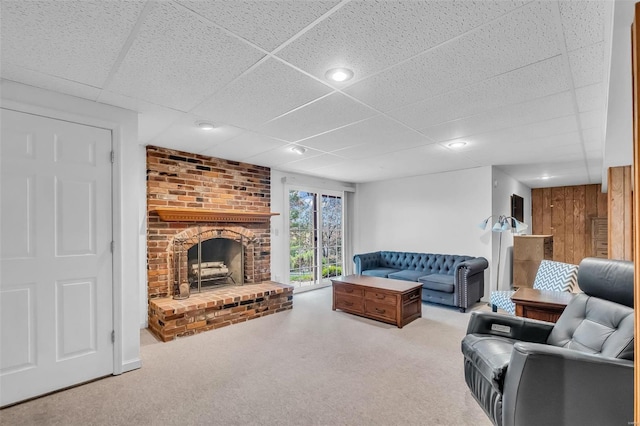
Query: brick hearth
{"type": "Point", "coordinates": [170, 318]}
{"type": "Point", "coordinates": [181, 180]}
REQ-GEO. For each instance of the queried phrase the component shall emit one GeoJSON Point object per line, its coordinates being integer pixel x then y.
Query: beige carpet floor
{"type": "Point", "coordinates": [306, 366]}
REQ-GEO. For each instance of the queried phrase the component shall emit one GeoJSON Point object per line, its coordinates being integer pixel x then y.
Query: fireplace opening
{"type": "Point", "coordinates": [215, 262]}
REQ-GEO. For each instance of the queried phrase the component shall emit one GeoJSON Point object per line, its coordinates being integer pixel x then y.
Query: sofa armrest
{"type": "Point", "coordinates": [518, 328]}
{"type": "Point", "coordinates": [553, 385]}
{"type": "Point", "coordinates": [475, 265]}
{"type": "Point", "coordinates": [366, 261]}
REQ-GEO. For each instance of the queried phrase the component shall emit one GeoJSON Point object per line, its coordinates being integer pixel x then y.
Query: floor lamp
{"type": "Point", "coordinates": [504, 223]}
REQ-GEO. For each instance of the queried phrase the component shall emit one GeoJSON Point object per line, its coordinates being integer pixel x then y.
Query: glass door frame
{"type": "Point", "coordinates": [318, 280]}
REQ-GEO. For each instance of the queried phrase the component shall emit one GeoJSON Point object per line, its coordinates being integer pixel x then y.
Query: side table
{"type": "Point", "coordinates": [540, 304]}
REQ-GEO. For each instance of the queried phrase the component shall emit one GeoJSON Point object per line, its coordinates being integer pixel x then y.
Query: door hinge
{"type": "Point", "coordinates": [113, 336]}
{"type": "Point", "coordinates": [113, 156]}
{"type": "Point", "coordinates": [113, 246]}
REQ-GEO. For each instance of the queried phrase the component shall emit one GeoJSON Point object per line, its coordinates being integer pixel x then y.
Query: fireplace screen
{"type": "Point", "coordinates": [211, 262]}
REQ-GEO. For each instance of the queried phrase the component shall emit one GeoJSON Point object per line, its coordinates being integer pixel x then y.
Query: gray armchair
{"type": "Point", "coordinates": [578, 371]}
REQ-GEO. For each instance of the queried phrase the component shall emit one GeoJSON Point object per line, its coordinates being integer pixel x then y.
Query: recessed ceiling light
{"type": "Point", "coordinates": [205, 125]}
{"type": "Point", "coordinates": [458, 144]}
{"type": "Point", "coordinates": [299, 150]}
{"type": "Point", "coordinates": [545, 177]}
{"type": "Point", "coordinates": [339, 74]}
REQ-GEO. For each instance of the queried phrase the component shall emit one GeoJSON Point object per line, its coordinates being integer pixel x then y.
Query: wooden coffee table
{"type": "Point", "coordinates": [540, 304]}
{"type": "Point", "coordinates": [392, 301]}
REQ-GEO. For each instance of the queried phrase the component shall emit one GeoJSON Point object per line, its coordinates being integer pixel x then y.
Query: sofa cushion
{"type": "Point", "coordinates": [438, 282]}
{"type": "Point", "coordinates": [407, 275]}
{"type": "Point", "coordinates": [379, 272]}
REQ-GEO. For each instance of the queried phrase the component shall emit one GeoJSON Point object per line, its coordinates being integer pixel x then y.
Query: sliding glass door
{"type": "Point", "coordinates": [315, 238]}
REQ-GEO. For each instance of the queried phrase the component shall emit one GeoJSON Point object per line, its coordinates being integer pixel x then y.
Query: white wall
{"type": "Point", "coordinates": [436, 213]}
{"type": "Point", "coordinates": [503, 186]}
{"type": "Point", "coordinates": [280, 184]}
{"type": "Point", "coordinates": [129, 189]}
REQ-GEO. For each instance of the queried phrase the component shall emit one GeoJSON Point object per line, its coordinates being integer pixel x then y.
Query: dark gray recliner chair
{"type": "Point", "coordinates": [578, 371]}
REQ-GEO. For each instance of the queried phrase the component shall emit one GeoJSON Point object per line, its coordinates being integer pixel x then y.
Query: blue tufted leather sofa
{"type": "Point", "coordinates": [446, 279]}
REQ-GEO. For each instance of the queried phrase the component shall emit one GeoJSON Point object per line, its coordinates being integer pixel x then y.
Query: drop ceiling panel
{"type": "Point", "coordinates": [377, 130]}
{"type": "Point", "coordinates": [47, 81]}
{"type": "Point", "coordinates": [370, 36]}
{"type": "Point", "coordinates": [74, 40]}
{"type": "Point", "coordinates": [591, 119]}
{"type": "Point", "coordinates": [281, 156]}
{"type": "Point", "coordinates": [578, 19]}
{"type": "Point", "coordinates": [541, 109]}
{"type": "Point", "coordinates": [424, 160]}
{"type": "Point", "coordinates": [526, 37]}
{"type": "Point", "coordinates": [269, 90]}
{"type": "Point", "coordinates": [396, 142]}
{"type": "Point", "coordinates": [326, 114]}
{"type": "Point", "coordinates": [590, 97]}
{"type": "Point", "coordinates": [244, 146]}
{"type": "Point", "coordinates": [177, 60]}
{"type": "Point", "coordinates": [152, 119]}
{"type": "Point", "coordinates": [184, 135]}
{"type": "Point", "coordinates": [524, 84]}
{"type": "Point", "coordinates": [310, 163]}
{"type": "Point", "coordinates": [267, 24]}
{"type": "Point", "coordinates": [586, 65]}
{"type": "Point", "coordinates": [560, 173]}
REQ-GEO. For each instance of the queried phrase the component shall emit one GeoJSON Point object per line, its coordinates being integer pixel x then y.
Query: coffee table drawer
{"type": "Point", "coordinates": [379, 297]}
{"type": "Point", "coordinates": [412, 295]}
{"type": "Point", "coordinates": [348, 302]}
{"type": "Point", "coordinates": [382, 310]}
{"type": "Point", "coordinates": [348, 289]}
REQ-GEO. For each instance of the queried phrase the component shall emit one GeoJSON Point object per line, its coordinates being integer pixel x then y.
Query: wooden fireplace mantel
{"type": "Point", "coordinates": [169, 214]}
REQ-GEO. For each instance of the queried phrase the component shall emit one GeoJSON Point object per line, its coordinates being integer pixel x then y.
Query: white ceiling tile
{"type": "Point", "coordinates": [269, 90]}
{"type": "Point", "coordinates": [305, 165]}
{"type": "Point", "coordinates": [590, 97]}
{"type": "Point", "coordinates": [267, 24]}
{"type": "Point", "coordinates": [152, 118]}
{"type": "Point", "coordinates": [358, 171]}
{"type": "Point", "coordinates": [326, 114]}
{"type": "Point", "coordinates": [582, 22]}
{"type": "Point", "coordinates": [540, 109]}
{"type": "Point", "coordinates": [177, 60]}
{"type": "Point", "coordinates": [244, 146]}
{"type": "Point", "coordinates": [593, 139]}
{"type": "Point", "coordinates": [373, 131]}
{"type": "Point", "coordinates": [368, 36]}
{"type": "Point", "coordinates": [587, 65]}
{"type": "Point", "coordinates": [47, 81]}
{"type": "Point", "coordinates": [591, 119]}
{"type": "Point", "coordinates": [395, 142]}
{"type": "Point", "coordinates": [281, 156]}
{"type": "Point", "coordinates": [74, 40]}
{"type": "Point", "coordinates": [184, 135]}
{"type": "Point", "coordinates": [521, 85]}
{"type": "Point", "coordinates": [559, 173]}
{"type": "Point", "coordinates": [524, 37]}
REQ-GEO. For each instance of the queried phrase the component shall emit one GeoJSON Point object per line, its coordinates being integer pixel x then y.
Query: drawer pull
{"type": "Point", "coordinates": [380, 296]}
{"type": "Point", "coordinates": [380, 311]}
{"type": "Point", "coordinates": [348, 290]}
{"type": "Point", "coordinates": [348, 303]}
{"type": "Point", "coordinates": [413, 297]}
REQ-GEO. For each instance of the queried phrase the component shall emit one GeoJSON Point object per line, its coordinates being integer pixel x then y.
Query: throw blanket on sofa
{"type": "Point", "coordinates": [452, 280]}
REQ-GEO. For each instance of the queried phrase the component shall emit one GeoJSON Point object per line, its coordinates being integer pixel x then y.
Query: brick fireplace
{"type": "Point", "coordinates": [193, 199]}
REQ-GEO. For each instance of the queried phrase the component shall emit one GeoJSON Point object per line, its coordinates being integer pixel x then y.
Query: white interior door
{"type": "Point", "coordinates": [56, 315]}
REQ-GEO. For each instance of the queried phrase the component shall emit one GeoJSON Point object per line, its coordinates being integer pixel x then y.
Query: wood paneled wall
{"type": "Point", "coordinates": [567, 213]}
{"type": "Point", "coordinates": [620, 213]}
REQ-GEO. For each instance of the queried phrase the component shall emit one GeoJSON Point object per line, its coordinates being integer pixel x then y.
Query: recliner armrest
{"type": "Point", "coordinates": [475, 265]}
{"type": "Point", "coordinates": [546, 384]}
{"type": "Point", "coordinates": [518, 328]}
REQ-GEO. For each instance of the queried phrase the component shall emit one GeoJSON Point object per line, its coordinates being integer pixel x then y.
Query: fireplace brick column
{"type": "Point", "coordinates": [180, 179]}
